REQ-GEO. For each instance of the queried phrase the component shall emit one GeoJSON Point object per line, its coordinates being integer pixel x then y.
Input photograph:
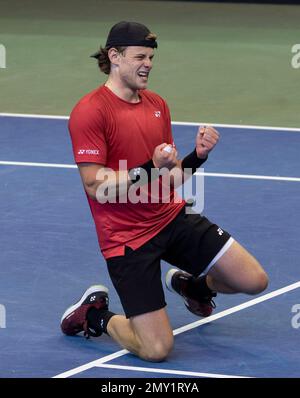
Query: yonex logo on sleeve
{"type": "Point", "coordinates": [157, 113]}
{"type": "Point", "coordinates": [2, 316]}
{"type": "Point", "coordinates": [88, 152]}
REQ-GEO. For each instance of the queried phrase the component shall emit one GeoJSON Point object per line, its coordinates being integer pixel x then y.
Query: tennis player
{"type": "Point", "coordinates": [121, 135]}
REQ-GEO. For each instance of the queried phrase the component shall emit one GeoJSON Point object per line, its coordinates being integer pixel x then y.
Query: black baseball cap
{"type": "Point", "coordinates": [128, 34]}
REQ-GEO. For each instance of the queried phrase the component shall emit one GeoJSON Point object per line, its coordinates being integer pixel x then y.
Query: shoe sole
{"type": "Point", "coordinates": [90, 290]}
{"type": "Point", "coordinates": [169, 277]}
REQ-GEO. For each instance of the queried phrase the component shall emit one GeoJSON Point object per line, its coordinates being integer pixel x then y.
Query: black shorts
{"type": "Point", "coordinates": [190, 242]}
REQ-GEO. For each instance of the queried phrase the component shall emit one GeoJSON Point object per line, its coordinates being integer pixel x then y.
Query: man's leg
{"type": "Point", "coordinates": [136, 276]}
{"type": "Point", "coordinates": [237, 271]}
{"type": "Point", "coordinates": [210, 261]}
{"type": "Point", "coordinates": [148, 335]}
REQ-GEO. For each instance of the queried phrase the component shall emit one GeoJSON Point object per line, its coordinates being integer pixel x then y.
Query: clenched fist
{"type": "Point", "coordinates": [206, 139]}
{"type": "Point", "coordinates": [165, 156]}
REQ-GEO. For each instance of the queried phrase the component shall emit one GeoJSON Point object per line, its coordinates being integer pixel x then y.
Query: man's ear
{"type": "Point", "coordinates": [114, 56]}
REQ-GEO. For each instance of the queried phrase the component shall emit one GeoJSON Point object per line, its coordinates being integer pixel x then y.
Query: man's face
{"type": "Point", "coordinates": [135, 65]}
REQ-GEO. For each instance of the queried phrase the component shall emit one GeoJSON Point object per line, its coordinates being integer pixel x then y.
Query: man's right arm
{"type": "Point", "coordinates": [93, 175]}
{"type": "Point", "coordinates": [118, 182]}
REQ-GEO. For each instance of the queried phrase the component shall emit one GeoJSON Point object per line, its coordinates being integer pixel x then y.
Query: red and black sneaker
{"type": "Point", "coordinates": [177, 282]}
{"type": "Point", "coordinates": [74, 319]}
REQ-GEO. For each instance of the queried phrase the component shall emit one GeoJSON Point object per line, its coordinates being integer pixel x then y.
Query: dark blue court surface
{"type": "Point", "coordinates": [50, 255]}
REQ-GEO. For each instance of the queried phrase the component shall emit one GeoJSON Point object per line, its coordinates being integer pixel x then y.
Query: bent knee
{"type": "Point", "coordinates": [159, 351]}
{"type": "Point", "coordinates": [258, 284]}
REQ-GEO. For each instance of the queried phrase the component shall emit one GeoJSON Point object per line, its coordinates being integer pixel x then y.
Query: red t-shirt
{"type": "Point", "coordinates": [104, 129]}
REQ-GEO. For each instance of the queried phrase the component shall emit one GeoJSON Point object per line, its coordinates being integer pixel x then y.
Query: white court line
{"type": "Point", "coordinates": [249, 176]}
{"type": "Point", "coordinates": [31, 164]}
{"type": "Point", "coordinates": [240, 126]}
{"type": "Point", "coordinates": [235, 126]}
{"type": "Point", "coordinates": [222, 175]}
{"type": "Point", "coordinates": [90, 365]}
{"type": "Point", "coordinates": [34, 116]}
{"type": "Point", "coordinates": [237, 308]}
{"type": "Point", "coordinates": [170, 371]}
{"type": "Point", "coordinates": [185, 328]}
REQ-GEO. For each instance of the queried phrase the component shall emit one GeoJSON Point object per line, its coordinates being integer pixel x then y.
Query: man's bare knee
{"type": "Point", "coordinates": [158, 351]}
{"type": "Point", "coordinates": [258, 284]}
{"type": "Point", "coordinates": [153, 335]}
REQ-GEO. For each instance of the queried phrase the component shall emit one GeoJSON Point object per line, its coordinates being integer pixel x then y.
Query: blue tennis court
{"type": "Point", "coordinates": [50, 255]}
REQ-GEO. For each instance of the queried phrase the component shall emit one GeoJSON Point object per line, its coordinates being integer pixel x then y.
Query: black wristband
{"type": "Point", "coordinates": [135, 173]}
{"type": "Point", "coordinates": [191, 161]}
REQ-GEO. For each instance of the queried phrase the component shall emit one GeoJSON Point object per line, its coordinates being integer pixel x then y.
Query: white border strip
{"type": "Point", "coordinates": [222, 175]}
{"type": "Point", "coordinates": [218, 255]}
{"type": "Point", "coordinates": [185, 328]}
{"type": "Point", "coordinates": [170, 371]}
{"type": "Point", "coordinates": [236, 126]}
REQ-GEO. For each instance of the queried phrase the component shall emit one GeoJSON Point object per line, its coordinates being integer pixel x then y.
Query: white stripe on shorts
{"type": "Point", "coordinates": [218, 255]}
